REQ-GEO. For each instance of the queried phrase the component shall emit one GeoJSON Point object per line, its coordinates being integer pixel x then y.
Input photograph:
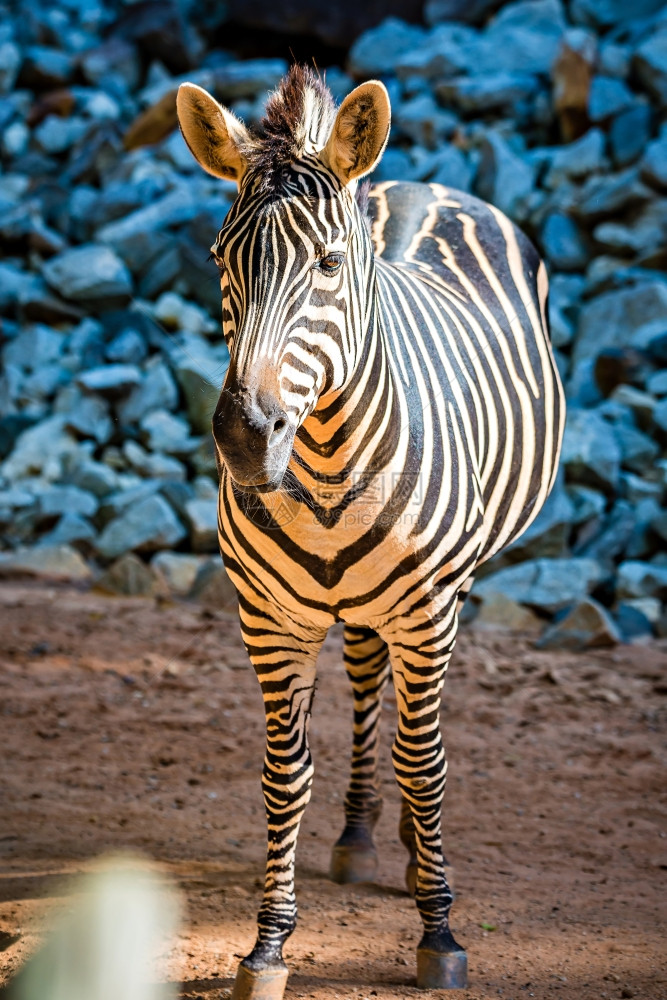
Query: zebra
{"type": "Point", "coordinates": [391, 418]}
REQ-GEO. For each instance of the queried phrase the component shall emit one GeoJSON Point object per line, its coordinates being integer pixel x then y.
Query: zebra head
{"type": "Point", "coordinates": [295, 258]}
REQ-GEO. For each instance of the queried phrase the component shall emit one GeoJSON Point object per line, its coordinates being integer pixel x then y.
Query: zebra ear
{"type": "Point", "coordinates": [214, 136]}
{"type": "Point", "coordinates": [360, 132]}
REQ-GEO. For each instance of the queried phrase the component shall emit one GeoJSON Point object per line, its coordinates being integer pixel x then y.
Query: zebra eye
{"type": "Point", "coordinates": [332, 263]}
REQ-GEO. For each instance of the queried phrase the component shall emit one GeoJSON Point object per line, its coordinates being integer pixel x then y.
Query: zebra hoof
{"type": "Point", "coordinates": [437, 970]}
{"type": "Point", "coordinates": [411, 878]}
{"type": "Point", "coordinates": [353, 864]}
{"type": "Point", "coordinates": [263, 984]}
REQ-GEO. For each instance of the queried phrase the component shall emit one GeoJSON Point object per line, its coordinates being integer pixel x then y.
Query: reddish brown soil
{"type": "Point", "coordinates": [130, 724]}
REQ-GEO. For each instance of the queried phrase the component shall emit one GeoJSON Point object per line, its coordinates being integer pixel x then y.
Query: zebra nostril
{"type": "Point", "coordinates": [278, 432]}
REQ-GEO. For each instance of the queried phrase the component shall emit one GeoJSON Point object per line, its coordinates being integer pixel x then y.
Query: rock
{"type": "Point", "coordinates": [156, 391]}
{"type": "Point", "coordinates": [175, 313]}
{"type": "Point", "coordinates": [177, 571]}
{"type": "Point", "coordinates": [629, 134]}
{"type": "Point", "coordinates": [202, 516]}
{"type": "Point", "coordinates": [174, 208]}
{"type": "Point", "coordinates": [89, 273]}
{"type": "Point", "coordinates": [85, 416]}
{"type": "Point", "coordinates": [609, 320]}
{"type": "Point", "coordinates": [95, 477]}
{"type": "Point", "coordinates": [145, 526]}
{"type": "Point", "coordinates": [10, 62]}
{"type": "Point", "coordinates": [35, 346]}
{"type": "Point", "coordinates": [40, 449]}
{"type": "Point", "coordinates": [160, 31]}
{"type": "Point", "coordinates": [587, 625]}
{"type": "Point", "coordinates": [112, 59]}
{"type": "Point", "coordinates": [213, 588]}
{"type": "Point", "coordinates": [591, 455]}
{"type": "Point", "coordinates": [611, 541]}
{"type": "Point", "coordinates": [656, 384]}
{"type": "Point", "coordinates": [588, 504]}
{"type": "Point", "coordinates": [58, 500]}
{"type": "Point", "coordinates": [45, 68]}
{"type": "Point", "coordinates": [564, 244]}
{"type": "Point", "coordinates": [424, 122]}
{"type": "Point", "coordinates": [55, 135]}
{"type": "Point", "coordinates": [547, 535]}
{"type": "Point", "coordinates": [376, 52]}
{"type": "Point", "coordinates": [601, 197]}
{"type": "Point", "coordinates": [607, 98]}
{"type": "Point", "coordinates": [503, 178]}
{"type": "Point", "coordinates": [469, 11]}
{"type": "Point", "coordinates": [650, 65]}
{"type": "Point", "coordinates": [653, 166]}
{"type": "Point", "coordinates": [577, 160]}
{"type": "Point", "coordinates": [59, 562]}
{"type": "Point", "coordinates": [152, 465]}
{"type": "Point", "coordinates": [476, 95]}
{"type": "Point", "coordinates": [632, 622]}
{"type": "Point", "coordinates": [572, 72]}
{"type": "Point", "coordinates": [111, 381]}
{"type": "Point", "coordinates": [447, 51]}
{"type": "Point", "coordinates": [525, 36]}
{"type": "Point", "coordinates": [129, 494]}
{"type": "Point", "coordinates": [660, 417]}
{"type": "Point", "coordinates": [641, 579]}
{"type": "Point", "coordinates": [11, 426]}
{"type": "Point", "coordinates": [615, 366]}
{"type": "Point", "coordinates": [640, 403]}
{"type": "Point", "coordinates": [605, 13]}
{"type": "Point", "coordinates": [70, 530]}
{"type": "Point", "coordinates": [153, 124]}
{"type": "Point", "coordinates": [565, 293]}
{"type": "Point", "coordinates": [500, 613]}
{"type": "Point", "coordinates": [638, 451]}
{"type": "Point", "coordinates": [448, 166]}
{"type": "Point", "coordinates": [127, 348]}
{"type": "Point", "coordinates": [548, 584]}
{"type": "Point", "coordinates": [162, 431]}
{"type": "Point", "coordinates": [128, 576]}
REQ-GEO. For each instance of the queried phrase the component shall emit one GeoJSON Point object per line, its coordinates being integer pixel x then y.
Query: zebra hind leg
{"type": "Point", "coordinates": [420, 654]}
{"type": "Point", "coordinates": [354, 858]}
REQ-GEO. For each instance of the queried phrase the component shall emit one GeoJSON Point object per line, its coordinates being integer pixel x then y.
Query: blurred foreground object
{"type": "Point", "coordinates": [104, 945]}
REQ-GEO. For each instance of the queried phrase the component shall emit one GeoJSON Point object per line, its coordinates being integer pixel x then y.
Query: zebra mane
{"type": "Point", "coordinates": [298, 118]}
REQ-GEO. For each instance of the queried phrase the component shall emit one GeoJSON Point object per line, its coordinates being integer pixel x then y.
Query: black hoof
{"type": "Point", "coordinates": [438, 970]}
{"type": "Point", "coordinates": [263, 984]}
{"type": "Point", "coordinates": [411, 878]}
{"type": "Point", "coordinates": [353, 864]}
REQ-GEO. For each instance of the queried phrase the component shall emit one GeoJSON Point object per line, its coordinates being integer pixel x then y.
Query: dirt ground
{"type": "Point", "coordinates": [131, 724]}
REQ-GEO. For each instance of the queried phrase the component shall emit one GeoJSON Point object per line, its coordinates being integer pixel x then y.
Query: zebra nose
{"type": "Point", "coordinates": [278, 430]}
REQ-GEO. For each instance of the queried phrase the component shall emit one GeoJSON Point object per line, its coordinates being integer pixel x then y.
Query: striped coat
{"type": "Point", "coordinates": [391, 418]}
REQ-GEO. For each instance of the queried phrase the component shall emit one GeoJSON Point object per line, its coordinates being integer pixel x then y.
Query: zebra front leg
{"type": "Point", "coordinates": [354, 858]}
{"type": "Point", "coordinates": [419, 655]}
{"type": "Point", "coordinates": [285, 666]}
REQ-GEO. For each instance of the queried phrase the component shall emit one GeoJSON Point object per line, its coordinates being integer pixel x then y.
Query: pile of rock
{"type": "Point", "coordinates": [111, 352]}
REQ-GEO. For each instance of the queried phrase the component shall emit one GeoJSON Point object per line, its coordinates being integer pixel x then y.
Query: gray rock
{"type": "Point", "coordinates": [503, 178]}
{"type": "Point", "coordinates": [632, 622]}
{"type": "Point", "coordinates": [36, 345]}
{"type": "Point", "coordinates": [213, 588]}
{"type": "Point", "coordinates": [605, 13]}
{"type": "Point", "coordinates": [650, 65]}
{"type": "Point", "coordinates": [178, 571]}
{"type": "Point", "coordinates": [607, 97]}
{"type": "Point", "coordinates": [564, 244]}
{"type": "Point", "coordinates": [202, 518]}
{"type": "Point", "coordinates": [657, 384]}
{"type": "Point", "coordinates": [587, 625]}
{"type": "Point", "coordinates": [638, 451]}
{"type": "Point", "coordinates": [448, 166]}
{"type": "Point", "coordinates": [499, 613]}
{"type": "Point", "coordinates": [85, 416]}
{"type": "Point", "coordinates": [549, 584]}
{"type": "Point", "coordinates": [641, 579]}
{"type": "Point", "coordinates": [565, 291]}
{"type": "Point", "coordinates": [127, 348]}
{"type": "Point", "coordinates": [110, 380]}
{"type": "Point", "coordinates": [40, 450]}
{"type": "Point", "coordinates": [162, 431]}
{"type": "Point", "coordinates": [424, 122]}
{"type": "Point", "coordinates": [611, 540]}
{"type": "Point", "coordinates": [629, 134]}
{"type": "Point", "coordinates": [128, 576]}
{"type": "Point", "coordinates": [58, 562]}
{"type": "Point", "coordinates": [56, 135]}
{"type": "Point", "coordinates": [95, 477]}
{"type": "Point", "coordinates": [152, 465]}
{"type": "Point", "coordinates": [498, 91]}
{"type": "Point", "coordinates": [524, 36]}
{"type": "Point", "coordinates": [89, 273]}
{"type": "Point", "coordinates": [588, 504]}
{"type": "Point", "coordinates": [447, 51]}
{"type": "Point", "coordinates": [58, 500]}
{"type": "Point", "coordinates": [146, 526]}
{"type": "Point", "coordinates": [660, 417]}
{"type": "Point", "coordinates": [591, 455]}
{"type": "Point", "coordinates": [547, 536]}
{"type": "Point", "coordinates": [45, 68]}
{"type": "Point", "coordinates": [157, 391]}
{"type": "Point", "coordinates": [653, 166]}
{"type": "Point", "coordinates": [175, 208]}
{"type": "Point", "coordinates": [70, 530]}
{"type": "Point", "coordinates": [470, 11]}
{"type": "Point", "coordinates": [376, 52]}
{"type": "Point", "coordinates": [395, 163]}
{"type": "Point", "coordinates": [601, 197]}
{"type": "Point", "coordinates": [249, 78]}
{"type": "Point", "coordinates": [576, 160]}
{"type": "Point", "coordinates": [611, 319]}
{"type": "Point", "coordinates": [117, 503]}
{"type": "Point", "coordinates": [10, 61]}
{"type": "Point", "coordinates": [641, 404]}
